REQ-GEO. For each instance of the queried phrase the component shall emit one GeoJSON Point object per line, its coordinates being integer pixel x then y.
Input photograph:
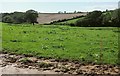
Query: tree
{"type": "Point", "coordinates": [0, 17]}
{"type": "Point", "coordinates": [116, 17]}
{"type": "Point", "coordinates": [82, 23]}
{"type": "Point", "coordinates": [106, 19]}
{"type": "Point", "coordinates": [94, 14]}
{"type": "Point", "coordinates": [92, 19]}
{"type": "Point", "coordinates": [19, 17]}
{"type": "Point", "coordinates": [65, 12]}
{"type": "Point", "coordinates": [75, 12]}
{"type": "Point", "coordinates": [59, 12]}
{"type": "Point", "coordinates": [8, 19]}
{"type": "Point", "coordinates": [31, 16]}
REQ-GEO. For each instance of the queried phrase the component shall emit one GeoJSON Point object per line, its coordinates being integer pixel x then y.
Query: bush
{"type": "Point", "coordinates": [100, 19]}
{"type": "Point", "coordinates": [7, 19]}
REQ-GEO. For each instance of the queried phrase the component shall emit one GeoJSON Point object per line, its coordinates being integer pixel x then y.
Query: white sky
{"type": "Point", "coordinates": [57, 5]}
{"type": "Point", "coordinates": [59, 0]}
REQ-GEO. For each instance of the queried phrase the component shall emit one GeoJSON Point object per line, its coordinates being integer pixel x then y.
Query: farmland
{"type": "Point", "coordinates": [68, 22]}
{"type": "Point", "coordinates": [62, 42]}
{"type": "Point", "coordinates": [50, 17]}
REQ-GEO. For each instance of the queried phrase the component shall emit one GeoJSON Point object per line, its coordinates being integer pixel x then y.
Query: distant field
{"type": "Point", "coordinates": [62, 42]}
{"type": "Point", "coordinates": [50, 17]}
{"type": "Point", "coordinates": [73, 21]}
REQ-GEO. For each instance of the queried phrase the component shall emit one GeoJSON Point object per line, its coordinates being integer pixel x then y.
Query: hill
{"type": "Point", "coordinates": [50, 17]}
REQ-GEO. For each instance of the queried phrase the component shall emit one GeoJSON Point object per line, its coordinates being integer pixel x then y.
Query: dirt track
{"type": "Point", "coordinates": [13, 64]}
{"type": "Point", "coordinates": [50, 17]}
{"type": "Point", "coordinates": [12, 68]}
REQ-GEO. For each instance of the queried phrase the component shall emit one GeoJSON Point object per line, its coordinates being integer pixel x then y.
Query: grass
{"type": "Point", "coordinates": [0, 36]}
{"type": "Point", "coordinates": [62, 42]}
{"type": "Point", "coordinates": [69, 21]}
{"type": "Point", "coordinates": [25, 60]}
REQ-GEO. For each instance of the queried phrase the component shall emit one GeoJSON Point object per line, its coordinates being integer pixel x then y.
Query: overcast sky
{"type": "Point", "coordinates": [53, 6]}
{"type": "Point", "coordinates": [59, 0]}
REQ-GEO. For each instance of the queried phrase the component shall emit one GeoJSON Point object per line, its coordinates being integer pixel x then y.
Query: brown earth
{"type": "Point", "coordinates": [20, 64]}
{"type": "Point", "coordinates": [9, 66]}
{"type": "Point", "coordinates": [50, 17]}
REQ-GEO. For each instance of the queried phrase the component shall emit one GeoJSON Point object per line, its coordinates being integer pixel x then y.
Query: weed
{"type": "Point", "coordinates": [44, 65]}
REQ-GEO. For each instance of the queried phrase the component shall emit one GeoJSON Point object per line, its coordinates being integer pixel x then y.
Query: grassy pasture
{"type": "Point", "coordinates": [62, 42]}
{"type": "Point", "coordinates": [69, 21]}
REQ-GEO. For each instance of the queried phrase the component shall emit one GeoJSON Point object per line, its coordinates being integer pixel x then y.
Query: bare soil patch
{"type": "Point", "coordinates": [19, 64]}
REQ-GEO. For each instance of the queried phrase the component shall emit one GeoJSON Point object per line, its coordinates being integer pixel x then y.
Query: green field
{"type": "Point", "coordinates": [69, 21]}
{"type": "Point", "coordinates": [62, 42]}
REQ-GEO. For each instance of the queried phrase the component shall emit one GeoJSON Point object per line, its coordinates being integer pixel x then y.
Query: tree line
{"type": "Point", "coordinates": [29, 16]}
{"type": "Point", "coordinates": [100, 19]}
{"type": "Point", "coordinates": [92, 19]}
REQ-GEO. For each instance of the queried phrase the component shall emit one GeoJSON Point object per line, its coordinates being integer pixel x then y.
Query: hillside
{"type": "Point", "coordinates": [61, 42]}
{"type": "Point", "coordinates": [50, 17]}
{"type": "Point", "coordinates": [69, 21]}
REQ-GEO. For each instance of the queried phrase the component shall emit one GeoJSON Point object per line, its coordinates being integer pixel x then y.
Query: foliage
{"type": "Point", "coordinates": [31, 16]}
{"type": "Point", "coordinates": [70, 22]}
{"type": "Point", "coordinates": [101, 19]}
{"type": "Point", "coordinates": [116, 16]}
{"type": "Point", "coordinates": [16, 17]}
{"type": "Point", "coordinates": [25, 60]}
{"type": "Point", "coordinates": [63, 42]}
{"type": "Point", "coordinates": [106, 19]}
{"type": "Point", "coordinates": [8, 19]}
{"type": "Point", "coordinates": [19, 17]}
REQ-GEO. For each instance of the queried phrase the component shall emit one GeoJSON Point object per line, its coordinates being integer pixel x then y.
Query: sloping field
{"type": "Point", "coordinates": [50, 17]}
{"type": "Point", "coordinates": [62, 42]}
{"type": "Point", "coordinates": [68, 22]}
